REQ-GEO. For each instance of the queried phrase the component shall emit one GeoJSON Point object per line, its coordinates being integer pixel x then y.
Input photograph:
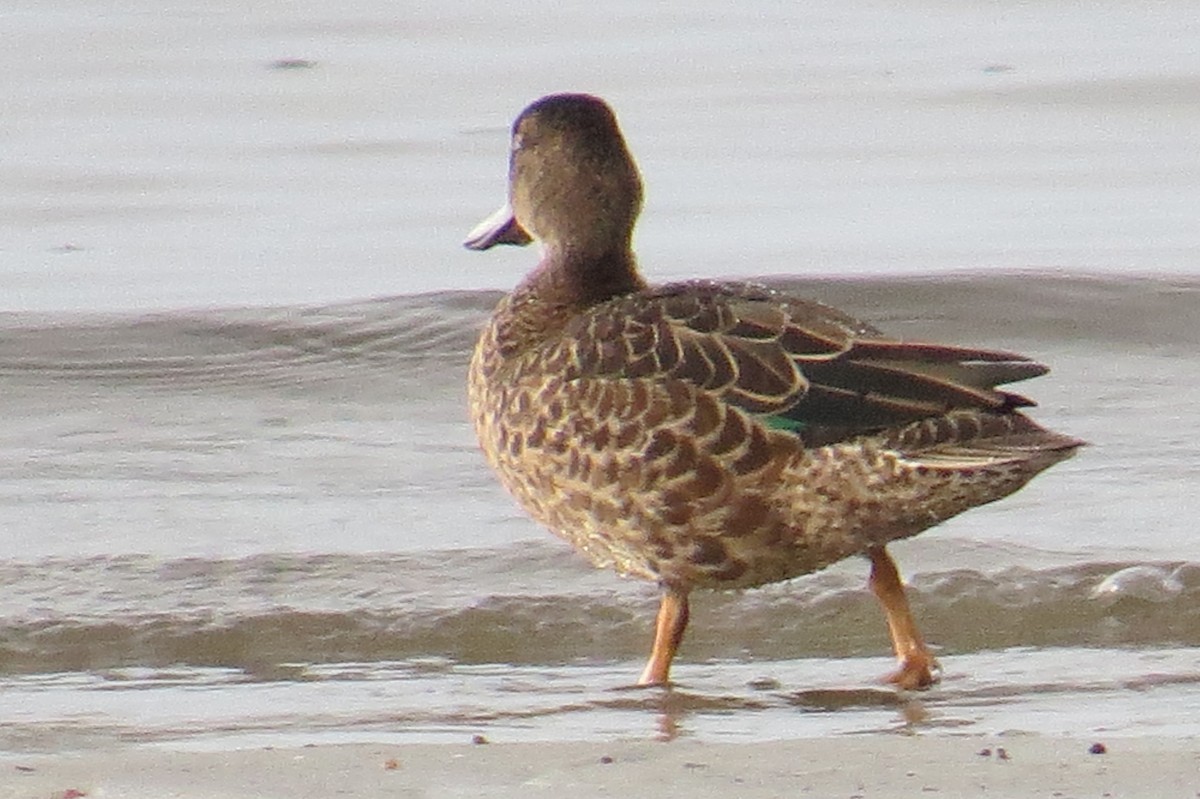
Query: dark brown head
{"type": "Point", "coordinates": [572, 183]}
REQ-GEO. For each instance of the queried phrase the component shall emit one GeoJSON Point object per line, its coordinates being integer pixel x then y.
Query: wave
{"type": "Point", "coordinates": [403, 334]}
{"type": "Point", "coordinates": [263, 613]}
{"type": "Point", "coordinates": [261, 347]}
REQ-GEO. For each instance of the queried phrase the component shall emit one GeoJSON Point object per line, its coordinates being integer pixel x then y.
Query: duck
{"type": "Point", "coordinates": [719, 435]}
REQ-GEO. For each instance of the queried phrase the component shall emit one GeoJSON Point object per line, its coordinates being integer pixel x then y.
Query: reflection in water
{"type": "Point", "coordinates": [674, 707]}
{"type": "Point", "coordinates": [912, 712]}
{"type": "Point", "coordinates": [671, 706]}
{"type": "Point", "coordinates": [670, 716]}
{"type": "Point", "coordinates": [1037, 691]}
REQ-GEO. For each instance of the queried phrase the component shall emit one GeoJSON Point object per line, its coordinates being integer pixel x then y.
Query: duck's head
{"type": "Point", "coordinates": [572, 184]}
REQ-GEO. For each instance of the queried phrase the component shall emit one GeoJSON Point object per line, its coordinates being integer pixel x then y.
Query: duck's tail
{"type": "Point", "coordinates": [972, 439]}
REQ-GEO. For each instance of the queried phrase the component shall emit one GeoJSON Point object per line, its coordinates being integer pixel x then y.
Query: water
{"type": "Point", "coordinates": [227, 525]}
{"type": "Point", "coordinates": [240, 502]}
{"type": "Point", "coordinates": [156, 156]}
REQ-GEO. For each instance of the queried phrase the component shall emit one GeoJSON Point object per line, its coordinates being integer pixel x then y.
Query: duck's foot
{"type": "Point", "coordinates": [917, 670]}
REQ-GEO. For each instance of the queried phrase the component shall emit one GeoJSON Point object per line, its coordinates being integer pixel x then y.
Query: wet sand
{"type": "Point", "coordinates": [879, 766]}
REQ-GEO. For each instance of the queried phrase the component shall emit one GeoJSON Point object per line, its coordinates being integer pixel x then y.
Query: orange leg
{"type": "Point", "coordinates": [917, 665]}
{"type": "Point", "coordinates": [672, 621]}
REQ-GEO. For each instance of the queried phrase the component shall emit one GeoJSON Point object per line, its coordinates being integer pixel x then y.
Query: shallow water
{"type": "Point", "coordinates": [240, 502]}
{"type": "Point", "coordinates": [228, 525]}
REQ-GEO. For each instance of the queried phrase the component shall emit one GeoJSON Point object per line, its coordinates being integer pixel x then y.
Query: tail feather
{"type": "Point", "coordinates": [963, 438]}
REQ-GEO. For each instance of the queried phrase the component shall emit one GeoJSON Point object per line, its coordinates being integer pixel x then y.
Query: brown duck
{"type": "Point", "coordinates": [719, 435]}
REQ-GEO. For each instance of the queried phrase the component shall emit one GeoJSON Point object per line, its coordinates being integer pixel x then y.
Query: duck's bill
{"type": "Point", "coordinates": [499, 228]}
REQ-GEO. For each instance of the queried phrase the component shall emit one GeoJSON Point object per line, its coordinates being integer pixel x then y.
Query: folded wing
{"type": "Point", "coordinates": [800, 365]}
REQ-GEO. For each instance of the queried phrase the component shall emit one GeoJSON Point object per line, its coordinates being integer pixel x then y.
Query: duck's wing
{"type": "Point", "coordinates": [800, 365]}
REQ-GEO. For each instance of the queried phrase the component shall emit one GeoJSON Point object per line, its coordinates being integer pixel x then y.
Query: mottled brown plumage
{"type": "Point", "coordinates": [718, 435]}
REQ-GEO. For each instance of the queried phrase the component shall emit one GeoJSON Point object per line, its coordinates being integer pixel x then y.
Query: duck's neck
{"type": "Point", "coordinates": [566, 283]}
{"type": "Point", "coordinates": [583, 278]}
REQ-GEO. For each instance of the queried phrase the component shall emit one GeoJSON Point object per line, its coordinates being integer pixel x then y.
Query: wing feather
{"type": "Point", "coordinates": [805, 366]}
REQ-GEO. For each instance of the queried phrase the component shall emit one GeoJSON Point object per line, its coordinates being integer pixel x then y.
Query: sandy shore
{"type": "Point", "coordinates": [865, 766]}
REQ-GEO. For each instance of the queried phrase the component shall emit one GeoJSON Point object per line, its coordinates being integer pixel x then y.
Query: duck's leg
{"type": "Point", "coordinates": [668, 632]}
{"type": "Point", "coordinates": [917, 665]}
